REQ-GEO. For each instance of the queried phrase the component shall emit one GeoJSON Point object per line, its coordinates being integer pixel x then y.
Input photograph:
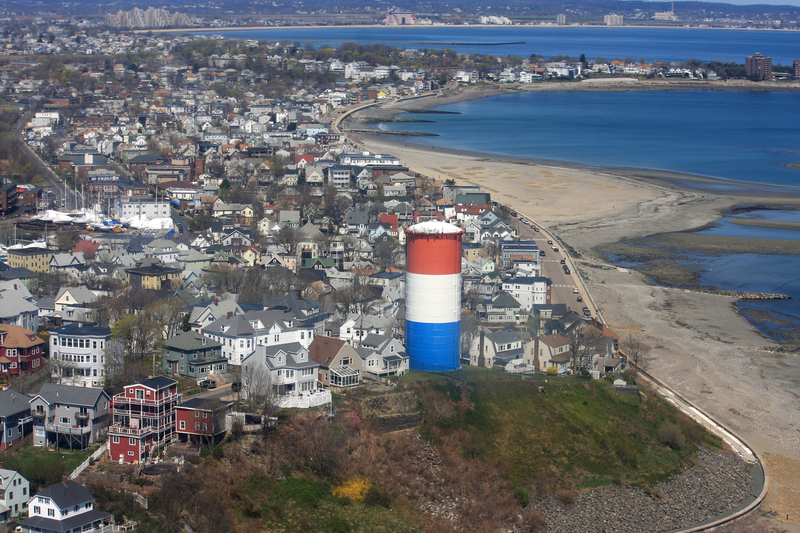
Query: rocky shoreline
{"type": "Point", "coordinates": [718, 485]}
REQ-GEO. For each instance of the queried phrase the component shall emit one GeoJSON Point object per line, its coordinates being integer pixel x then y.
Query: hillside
{"type": "Point", "coordinates": [493, 452]}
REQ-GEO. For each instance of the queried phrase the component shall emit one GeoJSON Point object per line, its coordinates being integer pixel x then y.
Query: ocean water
{"type": "Point", "coordinates": [652, 44]}
{"type": "Point", "coordinates": [740, 136]}
{"type": "Point", "coordinates": [732, 135]}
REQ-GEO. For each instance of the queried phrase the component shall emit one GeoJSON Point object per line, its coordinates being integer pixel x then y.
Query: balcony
{"type": "Point", "coordinates": [68, 430]}
{"type": "Point", "coordinates": [39, 414]}
{"type": "Point", "coordinates": [120, 400]}
{"type": "Point", "coordinates": [126, 430]}
{"type": "Point", "coordinates": [82, 415]}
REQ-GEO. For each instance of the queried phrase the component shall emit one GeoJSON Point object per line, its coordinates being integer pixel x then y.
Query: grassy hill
{"type": "Point", "coordinates": [488, 442]}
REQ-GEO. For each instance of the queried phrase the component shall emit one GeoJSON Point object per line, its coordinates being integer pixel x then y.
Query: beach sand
{"type": "Point", "coordinates": [701, 346]}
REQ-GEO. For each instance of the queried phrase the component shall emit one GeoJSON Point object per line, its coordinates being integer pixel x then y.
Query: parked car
{"type": "Point", "coordinates": [587, 311]}
{"type": "Point", "coordinates": [208, 384]}
{"type": "Point", "coordinates": [535, 228]}
{"type": "Point", "coordinates": [563, 261]}
{"type": "Point", "coordinates": [555, 249]}
{"type": "Point", "coordinates": [566, 271]}
{"type": "Point", "coordinates": [549, 242]}
{"type": "Point", "coordinates": [580, 298]}
{"type": "Point", "coordinates": [575, 290]}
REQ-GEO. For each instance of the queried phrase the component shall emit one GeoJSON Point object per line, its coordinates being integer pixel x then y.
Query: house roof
{"type": "Point", "coordinates": [554, 340]}
{"type": "Point", "coordinates": [12, 403]}
{"type": "Point", "coordinates": [19, 337]}
{"type": "Point", "coordinates": [79, 330]}
{"type": "Point", "coordinates": [68, 394]}
{"type": "Point", "coordinates": [6, 476]}
{"type": "Point", "coordinates": [41, 523]}
{"type": "Point", "coordinates": [324, 349]}
{"type": "Point", "coordinates": [191, 340]}
{"type": "Point", "coordinates": [87, 247]}
{"type": "Point", "coordinates": [158, 382]}
{"type": "Point", "coordinates": [67, 494]}
{"type": "Point", "coordinates": [204, 404]}
{"type": "Point", "coordinates": [81, 294]}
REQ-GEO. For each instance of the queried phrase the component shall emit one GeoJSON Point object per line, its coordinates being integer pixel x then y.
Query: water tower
{"type": "Point", "coordinates": [433, 295]}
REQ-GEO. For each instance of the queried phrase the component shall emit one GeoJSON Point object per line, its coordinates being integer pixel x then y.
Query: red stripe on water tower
{"type": "Point", "coordinates": [433, 254]}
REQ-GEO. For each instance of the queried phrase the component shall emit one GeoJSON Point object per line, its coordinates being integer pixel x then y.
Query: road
{"type": "Point", "coordinates": [564, 285]}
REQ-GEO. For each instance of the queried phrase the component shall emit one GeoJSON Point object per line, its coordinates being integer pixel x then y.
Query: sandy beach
{"type": "Point", "coordinates": [701, 346]}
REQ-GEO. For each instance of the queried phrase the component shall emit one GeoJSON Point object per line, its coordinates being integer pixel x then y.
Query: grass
{"type": "Point", "coordinates": [42, 467]}
{"type": "Point", "coordinates": [299, 504]}
{"type": "Point", "coordinates": [578, 433]}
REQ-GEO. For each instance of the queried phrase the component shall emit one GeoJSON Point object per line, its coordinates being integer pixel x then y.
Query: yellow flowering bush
{"type": "Point", "coordinates": [354, 489]}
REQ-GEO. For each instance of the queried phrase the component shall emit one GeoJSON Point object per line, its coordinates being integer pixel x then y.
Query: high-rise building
{"type": "Point", "coordinates": [796, 65]}
{"type": "Point", "coordinates": [612, 20]}
{"type": "Point", "coordinates": [433, 296]}
{"type": "Point", "coordinates": [759, 66]}
{"type": "Point", "coordinates": [562, 19]}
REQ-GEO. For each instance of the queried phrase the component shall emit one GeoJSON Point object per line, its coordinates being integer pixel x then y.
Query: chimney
{"type": "Point", "coordinates": [230, 314]}
{"type": "Point", "coordinates": [65, 480]}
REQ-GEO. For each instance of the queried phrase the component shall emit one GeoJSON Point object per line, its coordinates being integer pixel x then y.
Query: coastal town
{"type": "Point", "coordinates": [195, 243]}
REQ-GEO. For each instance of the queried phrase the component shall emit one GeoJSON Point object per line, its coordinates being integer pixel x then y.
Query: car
{"type": "Point", "coordinates": [555, 248]}
{"type": "Point", "coordinates": [566, 271]}
{"type": "Point", "coordinates": [587, 311]}
{"type": "Point", "coordinates": [575, 290]}
{"type": "Point", "coordinates": [208, 384]}
{"type": "Point", "coordinates": [535, 228]}
{"type": "Point", "coordinates": [563, 261]}
{"type": "Point", "coordinates": [580, 298]}
{"type": "Point", "coordinates": [541, 253]}
{"type": "Point", "coordinates": [550, 242]}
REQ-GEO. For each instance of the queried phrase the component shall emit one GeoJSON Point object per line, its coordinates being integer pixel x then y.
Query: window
{"type": "Point", "coordinates": [183, 424]}
{"type": "Point", "coordinates": [65, 420]}
{"type": "Point", "coordinates": [115, 440]}
{"type": "Point", "coordinates": [37, 509]}
{"type": "Point", "coordinates": [94, 345]}
{"type": "Point", "coordinates": [197, 426]}
{"type": "Point", "coordinates": [51, 512]}
{"type": "Point", "coordinates": [132, 442]}
{"type": "Point", "coordinates": [205, 427]}
{"type": "Point", "coordinates": [130, 453]}
{"type": "Point", "coordinates": [140, 395]}
{"type": "Point", "coordinates": [24, 491]}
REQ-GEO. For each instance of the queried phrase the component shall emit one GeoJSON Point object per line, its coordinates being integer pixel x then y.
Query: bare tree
{"type": "Point", "coordinates": [583, 343]}
{"type": "Point", "coordinates": [258, 389]}
{"type": "Point", "coordinates": [169, 313]}
{"type": "Point", "coordinates": [636, 352]}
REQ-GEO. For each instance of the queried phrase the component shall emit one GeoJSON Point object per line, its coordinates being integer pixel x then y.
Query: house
{"type": "Point", "coordinates": [21, 351]}
{"type": "Point", "coordinates": [305, 310]}
{"type": "Point", "coordinates": [14, 493]}
{"type": "Point", "coordinates": [504, 308]}
{"type": "Point", "coordinates": [529, 291]}
{"type": "Point", "coordinates": [239, 335]}
{"type": "Point", "coordinates": [496, 349]}
{"type": "Point", "coordinates": [554, 350]}
{"type": "Point", "coordinates": [78, 354]}
{"type": "Point", "coordinates": [74, 297]}
{"type": "Point", "coordinates": [143, 419]}
{"type": "Point", "coordinates": [69, 416]}
{"type": "Point", "coordinates": [65, 507]}
{"type": "Point", "coordinates": [193, 355]}
{"type": "Point", "coordinates": [202, 420]}
{"type": "Point", "coordinates": [201, 316]}
{"type": "Point", "coordinates": [14, 414]}
{"type": "Point", "coordinates": [339, 364]}
{"type": "Point", "coordinates": [34, 259]}
{"type": "Point", "coordinates": [154, 277]}
{"type": "Point", "coordinates": [289, 370]}
{"type": "Point", "coordinates": [17, 305]}
{"type": "Point", "coordinates": [382, 356]}
{"type": "Point", "coordinates": [358, 327]}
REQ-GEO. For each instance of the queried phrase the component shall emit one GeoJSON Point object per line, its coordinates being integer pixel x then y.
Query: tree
{"type": "Point", "coordinates": [257, 387]}
{"type": "Point", "coordinates": [140, 341]}
{"type": "Point", "coordinates": [288, 237]}
{"type": "Point", "coordinates": [169, 313]}
{"type": "Point", "coordinates": [384, 253]}
{"type": "Point", "coordinates": [584, 343]}
{"type": "Point", "coordinates": [636, 352]}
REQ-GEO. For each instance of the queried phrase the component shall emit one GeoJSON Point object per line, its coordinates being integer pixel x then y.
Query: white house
{"type": "Point", "coordinates": [14, 494]}
{"type": "Point", "coordinates": [65, 506]}
{"type": "Point", "coordinates": [382, 356]}
{"type": "Point", "coordinates": [529, 291]}
{"type": "Point", "coordinates": [78, 354]}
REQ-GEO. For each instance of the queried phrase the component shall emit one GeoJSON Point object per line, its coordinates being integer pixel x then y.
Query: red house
{"type": "Point", "coordinates": [202, 420]}
{"type": "Point", "coordinates": [20, 350]}
{"type": "Point", "coordinates": [144, 419]}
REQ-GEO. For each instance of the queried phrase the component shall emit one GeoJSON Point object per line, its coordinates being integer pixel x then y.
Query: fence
{"type": "Point", "coordinates": [81, 467]}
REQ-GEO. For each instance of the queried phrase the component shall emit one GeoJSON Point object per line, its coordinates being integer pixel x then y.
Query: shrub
{"type": "Point", "coordinates": [552, 371]}
{"type": "Point", "coordinates": [354, 489]}
{"type": "Point", "coordinates": [522, 496]}
{"type": "Point", "coordinates": [377, 498]}
{"type": "Point", "coordinates": [567, 497]}
{"type": "Point", "coordinates": [218, 452]}
{"type": "Point", "coordinates": [671, 435]}
{"type": "Point", "coordinates": [338, 525]}
{"type": "Point", "coordinates": [533, 522]}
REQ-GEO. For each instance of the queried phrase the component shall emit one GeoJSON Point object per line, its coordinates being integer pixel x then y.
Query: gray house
{"type": "Point", "coordinates": [67, 416]}
{"type": "Point", "coordinates": [15, 412]}
{"type": "Point", "coordinates": [14, 493]}
{"type": "Point", "coordinates": [194, 355]}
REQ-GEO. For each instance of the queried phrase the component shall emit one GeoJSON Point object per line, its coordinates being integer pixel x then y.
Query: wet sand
{"type": "Point", "coordinates": [701, 346]}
